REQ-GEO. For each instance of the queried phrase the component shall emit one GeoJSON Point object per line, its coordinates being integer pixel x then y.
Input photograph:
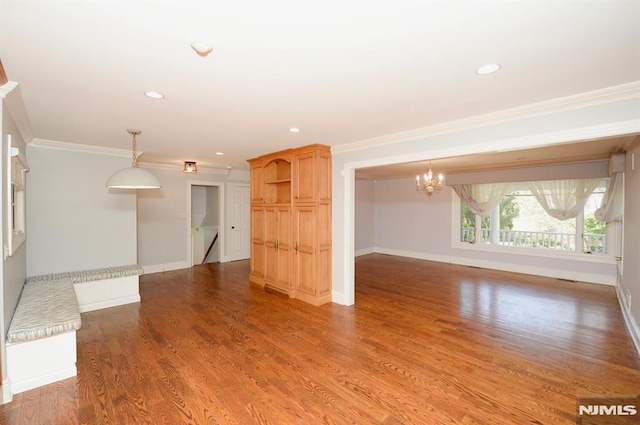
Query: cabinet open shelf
{"type": "Point", "coordinates": [277, 170]}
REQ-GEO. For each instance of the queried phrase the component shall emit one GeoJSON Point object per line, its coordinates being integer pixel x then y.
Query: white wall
{"type": "Point", "coordinates": [13, 269]}
{"type": "Point", "coordinates": [163, 236]}
{"type": "Point", "coordinates": [364, 224]}
{"type": "Point", "coordinates": [410, 224]}
{"type": "Point", "coordinates": [572, 119]}
{"type": "Point", "coordinates": [198, 205]}
{"type": "Point", "coordinates": [408, 221]}
{"type": "Point", "coordinates": [74, 221]}
{"type": "Point", "coordinates": [630, 282]}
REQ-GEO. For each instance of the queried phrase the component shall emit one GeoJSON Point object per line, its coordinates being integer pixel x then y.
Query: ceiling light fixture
{"type": "Point", "coordinates": [201, 48]}
{"type": "Point", "coordinates": [428, 185]}
{"type": "Point", "coordinates": [190, 167]}
{"type": "Point", "coordinates": [219, 153]}
{"type": "Point", "coordinates": [133, 177]}
{"type": "Point", "coordinates": [154, 94]}
{"type": "Point", "coordinates": [489, 68]}
{"type": "Point", "coordinates": [294, 130]}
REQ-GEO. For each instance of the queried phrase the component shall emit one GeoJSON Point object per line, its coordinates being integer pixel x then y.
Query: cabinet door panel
{"type": "Point", "coordinates": [323, 176]}
{"type": "Point", "coordinates": [270, 237]}
{"type": "Point", "coordinates": [305, 272]}
{"type": "Point", "coordinates": [284, 248]}
{"type": "Point", "coordinates": [257, 242]}
{"type": "Point", "coordinates": [305, 262]}
{"type": "Point", "coordinates": [256, 182]}
{"type": "Point", "coordinates": [305, 177]}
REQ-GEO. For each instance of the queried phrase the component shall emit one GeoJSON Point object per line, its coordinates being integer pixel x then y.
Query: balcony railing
{"type": "Point", "coordinates": [591, 243]}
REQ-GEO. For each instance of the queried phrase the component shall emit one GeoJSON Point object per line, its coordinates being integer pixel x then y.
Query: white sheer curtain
{"type": "Point", "coordinates": [612, 205]}
{"type": "Point", "coordinates": [482, 198]}
{"type": "Point", "coordinates": [563, 199]}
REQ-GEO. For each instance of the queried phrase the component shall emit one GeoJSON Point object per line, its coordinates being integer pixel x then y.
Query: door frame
{"type": "Point", "coordinates": [221, 214]}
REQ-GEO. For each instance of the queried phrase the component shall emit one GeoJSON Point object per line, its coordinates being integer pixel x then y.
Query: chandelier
{"type": "Point", "coordinates": [427, 184]}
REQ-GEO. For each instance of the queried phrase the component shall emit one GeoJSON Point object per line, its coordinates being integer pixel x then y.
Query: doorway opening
{"type": "Point", "coordinates": [205, 223]}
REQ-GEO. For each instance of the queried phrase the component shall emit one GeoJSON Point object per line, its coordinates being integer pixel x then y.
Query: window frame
{"type": "Point", "coordinates": [16, 166]}
{"type": "Point", "coordinates": [606, 258]}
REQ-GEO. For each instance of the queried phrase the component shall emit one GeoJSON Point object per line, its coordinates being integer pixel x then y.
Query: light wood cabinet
{"type": "Point", "coordinates": [258, 265]}
{"type": "Point", "coordinates": [291, 222]}
{"type": "Point", "coordinates": [277, 243]}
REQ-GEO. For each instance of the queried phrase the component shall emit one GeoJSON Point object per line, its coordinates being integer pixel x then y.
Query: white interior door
{"type": "Point", "coordinates": [238, 223]}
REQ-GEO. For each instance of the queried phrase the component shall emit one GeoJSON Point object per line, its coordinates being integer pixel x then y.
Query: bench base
{"type": "Point", "coordinates": [42, 361]}
{"type": "Point", "coordinates": [106, 293]}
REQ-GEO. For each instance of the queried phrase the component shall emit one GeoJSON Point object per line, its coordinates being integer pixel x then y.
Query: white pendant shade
{"type": "Point", "coordinates": [133, 178]}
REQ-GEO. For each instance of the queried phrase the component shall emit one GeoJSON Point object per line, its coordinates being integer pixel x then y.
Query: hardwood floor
{"type": "Point", "coordinates": [426, 343]}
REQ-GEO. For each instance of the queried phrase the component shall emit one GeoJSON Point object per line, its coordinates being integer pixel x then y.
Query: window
{"type": "Point", "coordinates": [16, 168]}
{"type": "Point", "coordinates": [520, 221]}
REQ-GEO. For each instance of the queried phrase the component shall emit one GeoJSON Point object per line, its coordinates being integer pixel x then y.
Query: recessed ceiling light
{"type": "Point", "coordinates": [488, 69]}
{"type": "Point", "coordinates": [294, 130]}
{"type": "Point", "coordinates": [219, 153]}
{"type": "Point", "coordinates": [154, 95]}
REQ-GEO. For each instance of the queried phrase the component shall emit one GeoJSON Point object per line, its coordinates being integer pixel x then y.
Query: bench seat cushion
{"type": "Point", "coordinates": [89, 275]}
{"type": "Point", "coordinates": [44, 310]}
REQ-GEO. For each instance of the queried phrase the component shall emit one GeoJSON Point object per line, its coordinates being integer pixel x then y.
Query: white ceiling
{"type": "Point", "coordinates": [342, 71]}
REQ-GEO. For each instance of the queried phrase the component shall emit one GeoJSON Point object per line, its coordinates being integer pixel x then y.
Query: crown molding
{"type": "Point", "coordinates": [101, 150]}
{"type": "Point", "coordinates": [77, 147]}
{"type": "Point", "coordinates": [7, 88]}
{"type": "Point", "coordinates": [582, 100]}
{"type": "Point", "coordinates": [176, 167]}
{"type": "Point", "coordinates": [522, 142]}
{"type": "Point", "coordinates": [11, 93]}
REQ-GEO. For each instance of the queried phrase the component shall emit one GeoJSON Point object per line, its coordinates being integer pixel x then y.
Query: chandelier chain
{"type": "Point", "coordinates": [133, 151]}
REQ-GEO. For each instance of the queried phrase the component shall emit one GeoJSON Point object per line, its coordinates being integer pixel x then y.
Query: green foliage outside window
{"type": "Point", "coordinates": [594, 226]}
{"type": "Point", "coordinates": [509, 210]}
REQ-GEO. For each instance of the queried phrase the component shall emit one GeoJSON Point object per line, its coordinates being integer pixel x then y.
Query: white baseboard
{"type": "Point", "coordinates": [629, 320]}
{"type": "Point", "coordinates": [158, 268]}
{"type": "Point", "coordinates": [6, 394]}
{"type": "Point", "coordinates": [364, 251]}
{"type": "Point", "coordinates": [40, 362]}
{"type": "Point", "coordinates": [339, 298]}
{"type": "Point", "coordinates": [507, 267]}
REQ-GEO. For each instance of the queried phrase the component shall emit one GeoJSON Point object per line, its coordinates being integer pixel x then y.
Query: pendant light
{"type": "Point", "coordinates": [133, 177]}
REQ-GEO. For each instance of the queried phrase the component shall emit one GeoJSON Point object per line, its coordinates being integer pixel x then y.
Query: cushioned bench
{"type": "Point", "coordinates": [41, 342]}
{"type": "Point", "coordinates": [100, 288]}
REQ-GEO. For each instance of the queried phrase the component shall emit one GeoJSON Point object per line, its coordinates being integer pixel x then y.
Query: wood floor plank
{"type": "Point", "coordinates": [426, 343]}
